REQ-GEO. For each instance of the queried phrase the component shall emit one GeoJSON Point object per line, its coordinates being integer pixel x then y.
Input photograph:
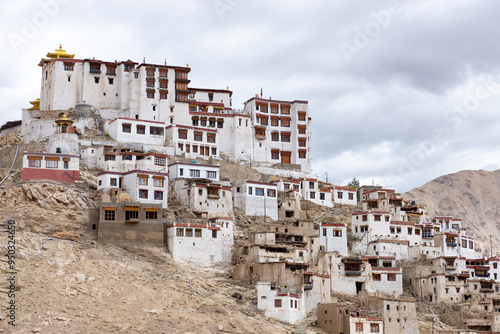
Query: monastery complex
{"type": "Point", "coordinates": [157, 141]}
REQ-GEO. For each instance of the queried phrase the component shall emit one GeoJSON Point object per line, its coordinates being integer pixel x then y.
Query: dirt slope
{"type": "Point", "coordinates": [471, 195]}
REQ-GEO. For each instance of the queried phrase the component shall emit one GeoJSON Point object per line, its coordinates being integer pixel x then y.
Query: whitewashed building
{"type": "Point", "coordinates": [256, 198]}
{"type": "Point", "coordinates": [128, 130]}
{"type": "Point", "coordinates": [57, 167]}
{"type": "Point", "coordinates": [333, 237]}
{"type": "Point", "coordinates": [109, 158]}
{"type": "Point", "coordinates": [200, 242]}
{"type": "Point", "coordinates": [345, 195]}
{"type": "Point", "coordinates": [282, 302]}
{"type": "Point", "coordinates": [143, 186]}
{"type": "Point", "coordinates": [186, 170]}
{"type": "Point", "coordinates": [208, 199]}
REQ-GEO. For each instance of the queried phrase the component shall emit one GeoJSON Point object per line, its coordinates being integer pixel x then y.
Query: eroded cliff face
{"type": "Point", "coordinates": [473, 196]}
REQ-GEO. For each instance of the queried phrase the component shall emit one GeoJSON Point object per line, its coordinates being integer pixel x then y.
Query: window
{"type": "Point", "coordinates": [150, 94]}
{"type": "Point", "coordinates": [143, 180]}
{"type": "Point", "coordinates": [337, 233]}
{"type": "Point", "coordinates": [150, 83]}
{"type": "Point", "coordinates": [195, 149]}
{"type": "Point", "coordinates": [417, 231]}
{"type": "Point", "coordinates": [214, 151]}
{"type": "Point", "coordinates": [34, 163]}
{"type": "Point", "coordinates": [374, 328]}
{"type": "Point", "coordinates": [96, 80]}
{"type": "Point", "coordinates": [302, 142]}
{"type": "Point", "coordinates": [164, 84]}
{"type": "Point", "coordinates": [143, 193]}
{"type": "Point", "coordinates": [359, 327]}
{"type": "Point", "coordinates": [275, 121]}
{"type": "Point", "coordinates": [250, 190]}
{"type": "Point", "coordinates": [112, 182]}
{"type": "Point", "coordinates": [69, 66]}
{"type": "Point", "coordinates": [285, 122]}
{"type": "Point", "coordinates": [263, 121]}
{"type": "Point", "coordinates": [275, 136]}
{"type": "Point", "coordinates": [179, 232]}
{"type": "Point", "coordinates": [277, 303]}
{"type": "Point", "coordinates": [150, 71]}
{"type": "Point", "coordinates": [160, 161]}
{"type": "Point", "coordinates": [197, 233]}
{"type": "Point", "coordinates": [51, 163]}
{"type": "Point", "coordinates": [95, 68]}
{"type": "Point", "coordinates": [377, 218]}
{"type": "Point", "coordinates": [141, 129]}
{"type": "Point", "coordinates": [324, 232]}
{"type": "Point", "coordinates": [339, 194]}
{"type": "Point", "coordinates": [211, 137]}
{"type": "Point", "coordinates": [210, 97]}
{"type": "Point", "coordinates": [285, 109]}
{"type": "Point", "coordinates": [302, 116]}
{"type": "Point", "coordinates": [131, 215]}
{"type": "Point", "coordinates": [164, 96]}
{"type": "Point", "coordinates": [376, 277]}
{"type": "Point", "coordinates": [211, 175]}
{"type": "Point", "coordinates": [158, 195]}
{"type": "Point", "coordinates": [182, 134]}
{"type": "Point", "coordinates": [302, 154]}
{"type": "Point", "coordinates": [259, 191]}
{"type": "Point", "coordinates": [198, 136]}
{"type": "Point", "coordinates": [194, 173]}
{"type": "Point", "coordinates": [157, 182]}
{"type": "Point", "coordinates": [302, 129]}
{"type": "Point", "coordinates": [312, 195]}
{"type": "Point", "coordinates": [110, 80]}
{"type": "Point", "coordinates": [471, 245]}
{"type": "Point", "coordinates": [271, 193]}
{"type": "Point", "coordinates": [214, 234]}
{"type": "Point", "coordinates": [126, 128]}
{"type": "Point", "coordinates": [322, 196]}
{"type": "Point", "coordinates": [109, 214]}
{"type": "Point", "coordinates": [275, 154]}
{"type": "Point", "coordinates": [151, 215]}
{"type": "Point", "coordinates": [285, 137]}
{"type": "Point", "coordinates": [155, 131]}
{"type": "Point", "coordinates": [66, 164]}
{"type": "Point", "coordinates": [391, 277]}
{"type": "Point", "coordinates": [311, 185]}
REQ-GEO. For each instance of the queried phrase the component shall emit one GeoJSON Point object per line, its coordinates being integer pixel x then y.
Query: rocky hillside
{"type": "Point", "coordinates": [471, 195]}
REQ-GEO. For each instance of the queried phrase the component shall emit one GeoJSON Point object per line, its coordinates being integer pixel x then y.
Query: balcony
{"type": "Point", "coordinates": [95, 70]}
{"type": "Point", "coordinates": [352, 273]}
{"type": "Point", "coordinates": [451, 244]}
{"type": "Point", "coordinates": [213, 196]}
{"type": "Point", "coordinates": [308, 286]}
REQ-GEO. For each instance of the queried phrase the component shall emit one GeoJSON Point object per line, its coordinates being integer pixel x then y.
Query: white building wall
{"type": "Point", "coordinates": [266, 301]}
{"type": "Point", "coordinates": [116, 131]}
{"type": "Point", "coordinates": [205, 250]}
{"type": "Point", "coordinates": [334, 238]}
{"type": "Point", "coordinates": [178, 170]}
{"type": "Point", "coordinates": [131, 184]}
{"type": "Point", "coordinates": [246, 198]}
{"type": "Point", "coordinates": [345, 195]}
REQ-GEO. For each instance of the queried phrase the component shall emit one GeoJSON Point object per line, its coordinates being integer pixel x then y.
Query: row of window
{"type": "Point", "coordinates": [188, 232]}
{"type": "Point", "coordinates": [264, 107]}
{"type": "Point", "coordinates": [378, 277]}
{"type": "Point", "coordinates": [211, 122]}
{"type": "Point", "coordinates": [144, 194]}
{"type": "Point", "coordinates": [275, 155]}
{"type": "Point", "coordinates": [197, 173]}
{"type": "Point", "coordinates": [336, 232]}
{"type": "Point", "coordinates": [374, 328]}
{"type": "Point", "coordinates": [278, 303]}
{"type": "Point", "coordinates": [198, 136]}
{"type": "Point", "coordinates": [159, 161]}
{"type": "Point", "coordinates": [259, 191]}
{"type": "Point", "coordinates": [48, 164]}
{"type": "Point", "coordinates": [204, 150]}
{"type": "Point", "coordinates": [154, 131]}
{"type": "Point", "coordinates": [350, 195]}
{"type": "Point", "coordinates": [110, 215]}
{"type": "Point", "coordinates": [144, 180]}
{"type": "Point", "coordinates": [150, 93]}
{"type": "Point", "coordinates": [285, 122]}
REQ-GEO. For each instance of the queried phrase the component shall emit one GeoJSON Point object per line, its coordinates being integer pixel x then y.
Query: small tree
{"type": "Point", "coordinates": [355, 185]}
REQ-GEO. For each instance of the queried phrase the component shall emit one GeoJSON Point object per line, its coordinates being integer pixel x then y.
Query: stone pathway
{"type": "Point", "coordinates": [301, 327]}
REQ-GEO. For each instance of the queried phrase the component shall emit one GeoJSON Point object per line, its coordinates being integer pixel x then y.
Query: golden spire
{"type": "Point", "coordinates": [58, 53]}
{"type": "Point", "coordinates": [35, 105]}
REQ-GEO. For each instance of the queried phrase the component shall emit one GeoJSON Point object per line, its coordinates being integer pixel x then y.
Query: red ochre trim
{"type": "Point", "coordinates": [61, 175]}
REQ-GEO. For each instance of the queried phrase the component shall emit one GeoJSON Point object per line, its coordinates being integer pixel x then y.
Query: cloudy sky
{"type": "Point", "coordinates": [400, 92]}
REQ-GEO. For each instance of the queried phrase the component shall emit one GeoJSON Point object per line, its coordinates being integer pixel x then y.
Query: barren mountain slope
{"type": "Point", "coordinates": [473, 196]}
